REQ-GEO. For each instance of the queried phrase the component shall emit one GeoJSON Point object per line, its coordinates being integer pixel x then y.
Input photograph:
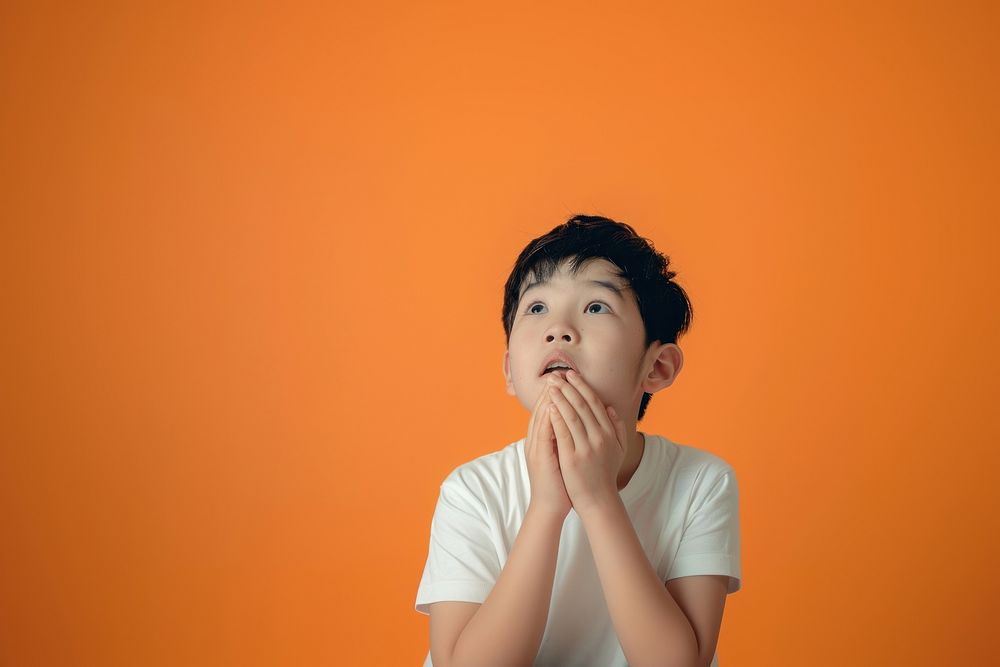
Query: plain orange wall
{"type": "Point", "coordinates": [251, 272]}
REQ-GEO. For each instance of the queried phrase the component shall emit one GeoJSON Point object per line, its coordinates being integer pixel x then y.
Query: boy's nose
{"type": "Point", "coordinates": [566, 336]}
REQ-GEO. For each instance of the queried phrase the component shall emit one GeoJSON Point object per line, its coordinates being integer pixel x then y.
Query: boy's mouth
{"type": "Point", "coordinates": [558, 361]}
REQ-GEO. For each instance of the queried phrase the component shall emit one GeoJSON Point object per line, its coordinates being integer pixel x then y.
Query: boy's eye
{"type": "Point", "coordinates": [531, 308]}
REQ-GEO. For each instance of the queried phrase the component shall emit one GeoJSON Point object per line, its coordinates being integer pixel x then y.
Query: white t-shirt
{"type": "Point", "coordinates": [683, 503]}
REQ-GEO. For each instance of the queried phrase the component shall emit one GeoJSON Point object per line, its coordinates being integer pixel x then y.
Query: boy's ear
{"type": "Point", "coordinates": [666, 361]}
{"type": "Point", "coordinates": [506, 373]}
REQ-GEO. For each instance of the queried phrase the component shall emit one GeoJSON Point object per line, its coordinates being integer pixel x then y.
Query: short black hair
{"type": "Point", "coordinates": [663, 304]}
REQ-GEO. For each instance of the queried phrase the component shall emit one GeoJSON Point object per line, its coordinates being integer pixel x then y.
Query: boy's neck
{"type": "Point", "coordinates": [633, 455]}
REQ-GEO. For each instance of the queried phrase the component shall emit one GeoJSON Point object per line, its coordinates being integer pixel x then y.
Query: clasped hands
{"type": "Point", "coordinates": [590, 439]}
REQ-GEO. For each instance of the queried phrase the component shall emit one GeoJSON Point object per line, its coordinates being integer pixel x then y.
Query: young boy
{"type": "Point", "coordinates": [586, 543]}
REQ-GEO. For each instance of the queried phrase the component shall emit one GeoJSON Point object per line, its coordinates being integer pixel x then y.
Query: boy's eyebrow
{"type": "Point", "coordinates": [615, 289]}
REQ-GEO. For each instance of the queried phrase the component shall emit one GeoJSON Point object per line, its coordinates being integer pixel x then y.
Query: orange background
{"type": "Point", "coordinates": [251, 273]}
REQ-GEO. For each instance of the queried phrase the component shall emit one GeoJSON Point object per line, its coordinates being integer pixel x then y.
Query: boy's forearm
{"type": "Point", "coordinates": [651, 627]}
{"type": "Point", "coordinates": [507, 628]}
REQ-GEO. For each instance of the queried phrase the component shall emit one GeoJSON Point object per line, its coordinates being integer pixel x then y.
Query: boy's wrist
{"type": "Point", "coordinates": [607, 505]}
{"type": "Point", "coordinates": [546, 514]}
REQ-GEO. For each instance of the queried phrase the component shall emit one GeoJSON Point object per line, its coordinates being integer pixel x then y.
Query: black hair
{"type": "Point", "coordinates": [663, 304]}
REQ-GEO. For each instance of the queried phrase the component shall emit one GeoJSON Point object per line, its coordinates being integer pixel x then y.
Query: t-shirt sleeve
{"type": "Point", "coordinates": [462, 559]}
{"type": "Point", "coordinates": [710, 543]}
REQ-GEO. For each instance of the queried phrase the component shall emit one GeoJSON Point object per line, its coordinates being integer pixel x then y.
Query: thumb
{"type": "Point", "coordinates": [619, 427]}
{"type": "Point", "coordinates": [547, 431]}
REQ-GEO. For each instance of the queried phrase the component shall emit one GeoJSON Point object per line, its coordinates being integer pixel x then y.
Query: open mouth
{"type": "Point", "coordinates": [557, 362]}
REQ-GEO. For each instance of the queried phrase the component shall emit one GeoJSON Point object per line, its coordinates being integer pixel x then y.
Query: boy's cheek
{"type": "Point", "coordinates": [602, 393]}
{"type": "Point", "coordinates": [580, 381]}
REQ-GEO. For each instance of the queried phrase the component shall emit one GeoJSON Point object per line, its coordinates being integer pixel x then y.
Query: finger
{"type": "Point", "coordinates": [543, 397]}
{"type": "Point", "coordinates": [534, 409]}
{"type": "Point", "coordinates": [564, 439]}
{"type": "Point", "coordinates": [574, 424]}
{"type": "Point", "coordinates": [590, 396]}
{"type": "Point", "coordinates": [619, 425]}
{"type": "Point", "coordinates": [545, 432]}
{"type": "Point", "coordinates": [546, 435]}
{"type": "Point", "coordinates": [578, 416]}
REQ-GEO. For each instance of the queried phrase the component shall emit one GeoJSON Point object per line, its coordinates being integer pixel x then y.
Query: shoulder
{"type": "Point", "coordinates": [694, 468]}
{"type": "Point", "coordinates": [488, 477]}
{"type": "Point", "coordinates": [690, 459]}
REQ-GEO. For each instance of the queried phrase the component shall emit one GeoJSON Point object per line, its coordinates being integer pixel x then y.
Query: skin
{"type": "Point", "coordinates": [604, 335]}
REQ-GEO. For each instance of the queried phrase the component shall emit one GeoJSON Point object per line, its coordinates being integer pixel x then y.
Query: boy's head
{"type": "Point", "coordinates": [620, 335]}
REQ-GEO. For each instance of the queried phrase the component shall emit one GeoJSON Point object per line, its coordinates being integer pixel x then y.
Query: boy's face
{"type": "Point", "coordinates": [599, 330]}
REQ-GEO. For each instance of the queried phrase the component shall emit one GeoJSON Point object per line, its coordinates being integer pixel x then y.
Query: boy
{"type": "Point", "coordinates": [586, 543]}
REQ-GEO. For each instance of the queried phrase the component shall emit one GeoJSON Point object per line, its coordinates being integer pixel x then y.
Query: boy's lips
{"type": "Point", "coordinates": [558, 357]}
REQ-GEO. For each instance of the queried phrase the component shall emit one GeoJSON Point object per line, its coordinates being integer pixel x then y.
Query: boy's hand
{"type": "Point", "coordinates": [548, 493]}
{"type": "Point", "coordinates": [590, 441]}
